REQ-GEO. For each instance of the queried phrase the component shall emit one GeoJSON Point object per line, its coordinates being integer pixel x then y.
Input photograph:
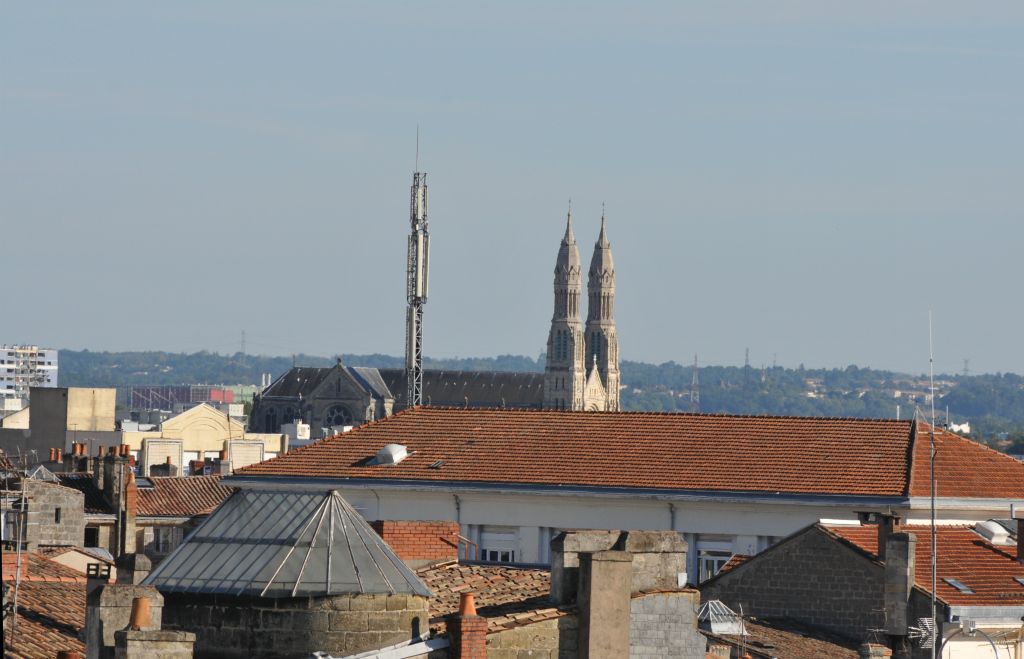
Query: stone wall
{"type": "Point", "coordinates": [264, 627]}
{"type": "Point", "coordinates": [665, 625]}
{"type": "Point", "coordinates": [549, 639]}
{"type": "Point", "coordinates": [44, 529]}
{"type": "Point", "coordinates": [810, 578]}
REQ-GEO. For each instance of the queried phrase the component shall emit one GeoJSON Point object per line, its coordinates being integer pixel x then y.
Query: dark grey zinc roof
{"type": "Point", "coordinates": [284, 544]}
{"type": "Point", "coordinates": [371, 380]}
{"type": "Point", "coordinates": [499, 389]}
{"type": "Point", "coordinates": [298, 380]}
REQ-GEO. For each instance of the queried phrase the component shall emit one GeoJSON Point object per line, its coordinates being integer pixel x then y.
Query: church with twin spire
{"type": "Point", "coordinates": [582, 368]}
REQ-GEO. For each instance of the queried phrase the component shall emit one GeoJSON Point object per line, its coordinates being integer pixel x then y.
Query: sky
{"type": "Point", "coordinates": [804, 179]}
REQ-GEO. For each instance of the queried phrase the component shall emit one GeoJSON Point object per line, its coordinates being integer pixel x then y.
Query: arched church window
{"type": "Point", "coordinates": [270, 421]}
{"type": "Point", "coordinates": [337, 415]}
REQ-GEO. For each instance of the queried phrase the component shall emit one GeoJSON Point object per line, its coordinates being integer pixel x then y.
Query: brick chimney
{"type": "Point", "coordinates": [900, 565]}
{"type": "Point", "coordinates": [467, 631]}
{"type": "Point", "coordinates": [873, 651]}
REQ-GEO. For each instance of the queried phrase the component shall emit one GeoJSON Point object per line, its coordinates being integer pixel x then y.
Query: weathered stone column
{"type": "Point", "coordinates": [606, 579]}
{"type": "Point", "coordinates": [900, 564]}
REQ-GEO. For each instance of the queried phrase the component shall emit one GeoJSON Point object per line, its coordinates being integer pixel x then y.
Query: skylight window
{"type": "Point", "coordinates": [959, 585]}
{"type": "Point", "coordinates": [1020, 580]}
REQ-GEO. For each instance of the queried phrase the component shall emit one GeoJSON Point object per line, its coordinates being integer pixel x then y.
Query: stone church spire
{"type": "Point", "coordinates": [564, 372]}
{"type": "Point", "coordinates": [602, 341]}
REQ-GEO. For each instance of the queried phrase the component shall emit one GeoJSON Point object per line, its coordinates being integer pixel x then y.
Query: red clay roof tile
{"type": "Point", "coordinates": [988, 570]}
{"type": "Point", "coordinates": [625, 449]}
{"type": "Point", "coordinates": [182, 496]}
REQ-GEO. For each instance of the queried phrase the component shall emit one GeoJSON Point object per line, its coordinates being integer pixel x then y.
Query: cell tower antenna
{"type": "Point", "coordinates": [931, 433]}
{"type": "Point", "coordinates": [695, 387]}
{"type": "Point", "coordinates": [416, 281]}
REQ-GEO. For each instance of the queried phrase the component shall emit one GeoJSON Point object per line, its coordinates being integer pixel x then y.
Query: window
{"type": "Point", "coordinates": [711, 562]}
{"type": "Point", "coordinates": [337, 416]}
{"type": "Point", "coordinates": [56, 515]}
{"type": "Point", "coordinates": [498, 544]}
{"type": "Point", "coordinates": [959, 585]}
{"type": "Point", "coordinates": [165, 539]}
{"type": "Point", "coordinates": [92, 536]}
{"type": "Point", "coordinates": [498, 556]}
{"type": "Point", "coordinates": [713, 551]}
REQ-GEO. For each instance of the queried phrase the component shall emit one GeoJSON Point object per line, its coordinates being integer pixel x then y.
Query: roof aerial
{"type": "Point", "coordinates": [285, 544]}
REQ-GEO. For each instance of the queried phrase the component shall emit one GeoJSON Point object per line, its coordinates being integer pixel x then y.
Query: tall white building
{"type": "Point", "coordinates": [22, 367]}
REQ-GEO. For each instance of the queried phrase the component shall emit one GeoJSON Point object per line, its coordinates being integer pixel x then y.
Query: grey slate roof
{"type": "Point", "coordinates": [279, 543]}
{"type": "Point", "coordinates": [371, 380]}
{"type": "Point", "coordinates": [298, 380]}
{"type": "Point", "coordinates": [497, 389]}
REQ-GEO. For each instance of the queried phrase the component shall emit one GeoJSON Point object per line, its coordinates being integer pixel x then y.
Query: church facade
{"type": "Point", "coordinates": [581, 371]}
{"type": "Point", "coordinates": [582, 368]}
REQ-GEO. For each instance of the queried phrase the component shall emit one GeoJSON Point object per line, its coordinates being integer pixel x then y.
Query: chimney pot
{"type": "Point", "coordinates": [169, 460]}
{"type": "Point", "coordinates": [111, 450]}
{"type": "Point", "coordinates": [140, 614]}
{"type": "Point", "coordinates": [467, 604]}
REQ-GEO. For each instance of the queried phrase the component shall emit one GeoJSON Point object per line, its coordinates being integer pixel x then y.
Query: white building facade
{"type": "Point", "coordinates": [26, 366]}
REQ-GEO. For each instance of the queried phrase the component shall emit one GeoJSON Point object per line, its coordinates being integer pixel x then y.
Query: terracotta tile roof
{"type": "Point", "coordinates": [182, 496]}
{"type": "Point", "coordinates": [50, 617]}
{"type": "Point", "coordinates": [964, 468]}
{"type": "Point", "coordinates": [623, 449]}
{"type": "Point", "coordinates": [735, 561]}
{"type": "Point", "coordinates": [988, 570]}
{"type": "Point", "coordinates": [789, 639]}
{"type": "Point", "coordinates": [84, 483]}
{"type": "Point", "coordinates": [508, 597]}
{"type": "Point", "coordinates": [38, 568]}
{"type": "Point", "coordinates": [51, 607]}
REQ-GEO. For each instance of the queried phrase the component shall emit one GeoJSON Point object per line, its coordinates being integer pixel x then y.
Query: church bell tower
{"type": "Point", "coordinates": [602, 341]}
{"type": "Point", "coordinates": [564, 373]}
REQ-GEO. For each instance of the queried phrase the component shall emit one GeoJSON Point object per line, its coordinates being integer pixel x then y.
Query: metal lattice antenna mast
{"type": "Point", "coordinates": [695, 387]}
{"type": "Point", "coordinates": [416, 282]}
{"type": "Point", "coordinates": [931, 433]}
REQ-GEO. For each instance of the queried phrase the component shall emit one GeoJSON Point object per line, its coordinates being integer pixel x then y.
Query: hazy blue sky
{"type": "Point", "coordinates": [803, 178]}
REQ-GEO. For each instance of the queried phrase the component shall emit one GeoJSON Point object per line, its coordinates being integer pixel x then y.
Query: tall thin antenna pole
{"type": "Point", "coordinates": [695, 386]}
{"type": "Point", "coordinates": [934, 557]}
{"type": "Point", "coordinates": [417, 272]}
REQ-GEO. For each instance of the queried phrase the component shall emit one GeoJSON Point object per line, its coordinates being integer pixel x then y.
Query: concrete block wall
{"type": "Point", "coordinates": [265, 627]}
{"type": "Point", "coordinates": [811, 578]}
{"type": "Point", "coordinates": [665, 625]}
{"type": "Point", "coordinates": [420, 543]}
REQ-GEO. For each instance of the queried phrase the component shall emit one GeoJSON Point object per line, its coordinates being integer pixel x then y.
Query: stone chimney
{"type": "Point", "coordinates": [900, 565]}
{"type": "Point", "coordinates": [659, 559]}
{"type": "Point", "coordinates": [606, 581]}
{"type": "Point", "coordinates": [1018, 514]}
{"type": "Point", "coordinates": [467, 631]}
{"type": "Point", "coordinates": [886, 527]}
{"type": "Point", "coordinates": [565, 561]}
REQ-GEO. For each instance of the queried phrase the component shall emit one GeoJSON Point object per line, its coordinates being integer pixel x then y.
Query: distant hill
{"type": "Point", "coordinates": [992, 404]}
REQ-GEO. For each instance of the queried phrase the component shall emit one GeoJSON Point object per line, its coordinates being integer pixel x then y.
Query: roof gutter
{"type": "Point", "coordinates": [301, 483]}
